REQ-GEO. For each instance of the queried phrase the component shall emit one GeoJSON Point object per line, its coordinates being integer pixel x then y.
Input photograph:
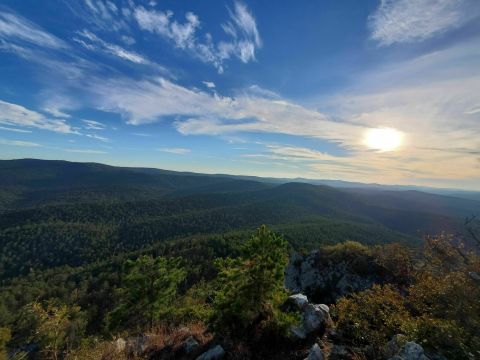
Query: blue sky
{"type": "Point", "coordinates": [371, 91]}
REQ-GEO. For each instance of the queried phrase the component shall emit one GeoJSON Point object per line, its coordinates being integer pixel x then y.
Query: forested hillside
{"type": "Point", "coordinates": [87, 212]}
{"type": "Point", "coordinates": [74, 237]}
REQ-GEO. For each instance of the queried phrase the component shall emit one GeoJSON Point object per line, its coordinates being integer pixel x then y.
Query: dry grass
{"type": "Point", "coordinates": [158, 340]}
{"type": "Point", "coordinates": [100, 351]}
{"type": "Point", "coordinates": [174, 338]}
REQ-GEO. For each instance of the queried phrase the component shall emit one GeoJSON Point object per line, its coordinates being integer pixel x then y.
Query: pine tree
{"type": "Point", "coordinates": [148, 289]}
{"type": "Point", "coordinates": [251, 286]}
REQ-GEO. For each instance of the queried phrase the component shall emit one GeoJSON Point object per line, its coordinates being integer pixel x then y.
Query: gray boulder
{"type": "Point", "coordinates": [315, 353]}
{"type": "Point", "coordinates": [410, 351]}
{"type": "Point", "coordinates": [395, 345]}
{"type": "Point", "coordinates": [315, 317]}
{"type": "Point", "coordinates": [215, 353]}
{"type": "Point", "coordinates": [474, 276]}
{"type": "Point", "coordinates": [298, 300]}
{"type": "Point", "coordinates": [190, 345]}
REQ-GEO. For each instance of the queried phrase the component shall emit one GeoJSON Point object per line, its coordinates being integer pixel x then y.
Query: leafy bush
{"type": "Point", "coordinates": [195, 305]}
{"type": "Point", "coordinates": [397, 260]}
{"type": "Point", "coordinates": [56, 328]}
{"type": "Point", "coordinates": [371, 317]}
{"type": "Point", "coordinates": [357, 256]}
{"type": "Point", "coordinates": [438, 306]}
{"type": "Point", "coordinates": [443, 336]}
{"type": "Point", "coordinates": [5, 336]}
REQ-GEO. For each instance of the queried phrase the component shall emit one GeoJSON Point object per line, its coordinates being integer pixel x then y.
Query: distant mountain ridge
{"type": "Point", "coordinates": [56, 213]}
{"type": "Point", "coordinates": [32, 182]}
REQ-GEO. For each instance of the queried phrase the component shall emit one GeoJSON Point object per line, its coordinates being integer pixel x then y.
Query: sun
{"type": "Point", "coordinates": [383, 139]}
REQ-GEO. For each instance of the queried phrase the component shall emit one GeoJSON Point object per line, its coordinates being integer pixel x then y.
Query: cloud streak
{"type": "Point", "coordinates": [408, 21]}
{"type": "Point", "coordinates": [177, 151]}
{"type": "Point", "coordinates": [241, 29]}
{"type": "Point", "coordinates": [202, 113]}
{"type": "Point", "coordinates": [18, 143]}
{"type": "Point", "coordinates": [16, 115]}
{"type": "Point", "coordinates": [91, 41]}
{"type": "Point", "coordinates": [16, 29]}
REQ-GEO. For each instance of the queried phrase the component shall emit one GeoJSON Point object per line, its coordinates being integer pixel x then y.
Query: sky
{"type": "Point", "coordinates": [370, 91]}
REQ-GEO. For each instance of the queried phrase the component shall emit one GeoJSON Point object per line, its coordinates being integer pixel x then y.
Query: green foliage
{"type": "Point", "coordinates": [56, 328]}
{"type": "Point", "coordinates": [397, 260]}
{"type": "Point", "coordinates": [5, 336]}
{"type": "Point", "coordinates": [440, 308]}
{"type": "Point", "coordinates": [371, 317]}
{"type": "Point", "coordinates": [194, 305]}
{"type": "Point", "coordinates": [251, 286]}
{"type": "Point", "coordinates": [445, 299]}
{"type": "Point", "coordinates": [358, 256]}
{"type": "Point", "coordinates": [147, 292]}
{"type": "Point", "coordinates": [441, 335]}
{"type": "Point", "coordinates": [75, 248]}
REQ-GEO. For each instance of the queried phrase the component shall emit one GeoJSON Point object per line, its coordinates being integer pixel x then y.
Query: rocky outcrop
{"type": "Point", "coordinates": [215, 353]}
{"type": "Point", "coordinates": [410, 351]}
{"type": "Point", "coordinates": [315, 317]}
{"type": "Point", "coordinates": [323, 280]}
{"type": "Point", "coordinates": [315, 353]}
{"type": "Point", "coordinates": [298, 301]}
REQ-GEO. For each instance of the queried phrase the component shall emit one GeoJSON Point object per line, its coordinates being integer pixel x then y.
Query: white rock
{"type": "Point", "coordinates": [299, 300]}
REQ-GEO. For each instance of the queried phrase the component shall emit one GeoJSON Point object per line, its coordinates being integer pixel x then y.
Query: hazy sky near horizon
{"type": "Point", "coordinates": [371, 91]}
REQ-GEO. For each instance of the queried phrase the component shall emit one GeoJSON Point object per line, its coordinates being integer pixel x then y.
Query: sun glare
{"type": "Point", "coordinates": [383, 139]}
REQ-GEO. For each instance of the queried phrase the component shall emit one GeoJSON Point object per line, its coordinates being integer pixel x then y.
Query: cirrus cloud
{"type": "Point", "coordinates": [17, 115]}
{"type": "Point", "coordinates": [406, 21]}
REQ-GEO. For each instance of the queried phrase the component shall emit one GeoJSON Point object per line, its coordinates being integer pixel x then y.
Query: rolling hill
{"type": "Point", "coordinates": [60, 213]}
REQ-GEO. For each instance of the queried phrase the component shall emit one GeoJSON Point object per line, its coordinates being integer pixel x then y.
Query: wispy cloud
{"type": "Point", "coordinates": [241, 30]}
{"type": "Point", "coordinates": [18, 30]}
{"type": "Point", "coordinates": [14, 129]}
{"type": "Point", "coordinates": [16, 115]}
{"type": "Point", "coordinates": [200, 112]}
{"type": "Point", "coordinates": [425, 98]}
{"type": "Point", "coordinates": [209, 84]}
{"type": "Point", "coordinates": [406, 21]}
{"type": "Point", "coordinates": [161, 23]}
{"type": "Point", "coordinates": [93, 125]}
{"type": "Point", "coordinates": [92, 42]}
{"type": "Point", "coordinates": [409, 96]}
{"type": "Point", "coordinates": [98, 137]}
{"type": "Point", "coordinates": [101, 14]}
{"type": "Point", "coordinates": [178, 151]}
{"type": "Point", "coordinates": [128, 40]}
{"type": "Point", "coordinates": [18, 143]}
{"type": "Point", "coordinates": [85, 151]}
{"type": "Point", "coordinates": [56, 112]}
